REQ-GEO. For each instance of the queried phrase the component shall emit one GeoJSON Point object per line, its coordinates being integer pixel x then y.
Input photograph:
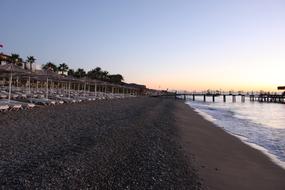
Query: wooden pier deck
{"type": "Point", "coordinates": [266, 98]}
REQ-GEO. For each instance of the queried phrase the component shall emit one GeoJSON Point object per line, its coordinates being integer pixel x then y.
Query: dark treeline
{"type": "Point", "coordinates": [96, 73]}
{"type": "Point", "coordinates": [63, 69]}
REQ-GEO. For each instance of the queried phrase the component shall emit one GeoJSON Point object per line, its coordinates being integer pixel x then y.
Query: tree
{"type": "Point", "coordinates": [15, 59]}
{"type": "Point", "coordinates": [95, 73]}
{"type": "Point", "coordinates": [116, 78]}
{"type": "Point", "coordinates": [92, 74]}
{"type": "Point", "coordinates": [70, 72]}
{"type": "Point", "coordinates": [79, 73]}
{"type": "Point", "coordinates": [25, 65]}
{"type": "Point", "coordinates": [63, 68]}
{"type": "Point", "coordinates": [105, 75]}
{"type": "Point", "coordinates": [98, 69]}
{"type": "Point", "coordinates": [31, 60]}
{"type": "Point", "coordinates": [50, 65]}
{"type": "Point", "coordinates": [99, 74]}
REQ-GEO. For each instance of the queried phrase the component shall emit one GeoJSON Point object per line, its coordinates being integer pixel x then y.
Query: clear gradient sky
{"type": "Point", "coordinates": [175, 44]}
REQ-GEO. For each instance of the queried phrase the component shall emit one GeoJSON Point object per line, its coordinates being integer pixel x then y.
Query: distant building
{"type": "Point", "coordinates": [65, 73]}
{"type": "Point", "coordinates": [4, 58]}
{"type": "Point", "coordinates": [141, 89]}
{"type": "Point", "coordinates": [281, 87]}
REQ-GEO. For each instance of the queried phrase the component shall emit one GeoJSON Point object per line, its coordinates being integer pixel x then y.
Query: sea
{"type": "Point", "coordinates": [260, 125]}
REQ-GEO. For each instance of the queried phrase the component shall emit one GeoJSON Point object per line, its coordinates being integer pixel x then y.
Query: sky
{"type": "Point", "coordinates": [164, 44]}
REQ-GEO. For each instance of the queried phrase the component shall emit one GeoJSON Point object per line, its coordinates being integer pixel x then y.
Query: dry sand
{"type": "Point", "coordinates": [225, 163]}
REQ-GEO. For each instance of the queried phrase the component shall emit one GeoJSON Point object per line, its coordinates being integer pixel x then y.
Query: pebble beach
{"type": "Point", "coordinates": [120, 144]}
{"type": "Point", "coordinates": [132, 143]}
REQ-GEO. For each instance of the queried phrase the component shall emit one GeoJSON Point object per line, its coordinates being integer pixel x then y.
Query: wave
{"type": "Point", "coordinates": [268, 140]}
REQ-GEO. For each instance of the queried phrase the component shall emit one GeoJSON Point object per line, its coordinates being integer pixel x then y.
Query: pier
{"type": "Point", "coordinates": [212, 97]}
{"type": "Point", "coordinates": [229, 97]}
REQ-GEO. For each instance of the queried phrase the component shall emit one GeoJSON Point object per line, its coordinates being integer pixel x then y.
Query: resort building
{"type": "Point", "coordinates": [4, 58]}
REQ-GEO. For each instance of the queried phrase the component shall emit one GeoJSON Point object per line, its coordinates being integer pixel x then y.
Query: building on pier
{"type": "Point", "coordinates": [281, 88]}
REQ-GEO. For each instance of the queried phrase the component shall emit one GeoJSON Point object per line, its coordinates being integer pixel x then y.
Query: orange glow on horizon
{"type": "Point", "coordinates": [204, 87]}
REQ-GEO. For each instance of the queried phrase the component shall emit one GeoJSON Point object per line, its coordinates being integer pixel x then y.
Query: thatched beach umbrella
{"type": "Point", "coordinates": [68, 79]}
{"type": "Point", "coordinates": [11, 68]}
{"type": "Point", "coordinates": [47, 75]}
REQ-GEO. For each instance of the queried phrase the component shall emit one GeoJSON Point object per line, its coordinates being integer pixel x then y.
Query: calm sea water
{"type": "Point", "coordinates": [261, 125]}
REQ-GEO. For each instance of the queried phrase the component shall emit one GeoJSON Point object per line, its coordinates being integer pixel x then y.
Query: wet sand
{"type": "Point", "coordinates": [225, 163]}
{"type": "Point", "coordinates": [118, 144]}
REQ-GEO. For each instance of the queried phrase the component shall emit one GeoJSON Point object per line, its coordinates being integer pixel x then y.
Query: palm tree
{"type": "Point", "coordinates": [50, 65]}
{"type": "Point", "coordinates": [116, 78]}
{"type": "Point", "coordinates": [80, 73]}
{"type": "Point", "coordinates": [25, 65]}
{"type": "Point", "coordinates": [98, 73]}
{"type": "Point", "coordinates": [31, 60]}
{"type": "Point", "coordinates": [70, 72]}
{"type": "Point", "coordinates": [98, 69]}
{"type": "Point", "coordinates": [105, 75]}
{"type": "Point", "coordinates": [95, 73]}
{"type": "Point", "coordinates": [91, 74]}
{"type": "Point", "coordinates": [63, 68]}
{"type": "Point", "coordinates": [15, 59]}
{"type": "Point", "coordinates": [20, 62]}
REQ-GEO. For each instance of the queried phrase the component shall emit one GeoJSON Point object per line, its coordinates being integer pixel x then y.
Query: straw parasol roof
{"type": "Point", "coordinates": [7, 68]}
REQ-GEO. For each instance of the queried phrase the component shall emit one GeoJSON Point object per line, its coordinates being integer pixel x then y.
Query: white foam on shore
{"type": "Point", "coordinates": [272, 157]}
{"type": "Point", "coordinates": [243, 139]}
{"type": "Point", "coordinates": [205, 115]}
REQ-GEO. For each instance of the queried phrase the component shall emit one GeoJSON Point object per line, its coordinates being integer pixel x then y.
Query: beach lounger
{"type": "Point", "coordinates": [21, 95]}
{"type": "Point", "coordinates": [57, 101]}
{"type": "Point", "coordinates": [78, 100]}
{"type": "Point", "coordinates": [25, 103]}
{"type": "Point", "coordinates": [13, 96]}
{"type": "Point", "coordinates": [3, 107]}
{"type": "Point", "coordinates": [93, 98]}
{"type": "Point", "coordinates": [42, 101]}
{"type": "Point", "coordinates": [13, 105]}
{"type": "Point", "coordinates": [83, 98]}
{"type": "Point", "coordinates": [67, 100]}
{"type": "Point", "coordinates": [30, 105]}
{"type": "Point", "coordinates": [3, 96]}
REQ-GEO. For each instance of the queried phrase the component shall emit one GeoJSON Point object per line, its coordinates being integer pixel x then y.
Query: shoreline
{"type": "Point", "coordinates": [224, 161]}
{"type": "Point", "coordinates": [243, 139]}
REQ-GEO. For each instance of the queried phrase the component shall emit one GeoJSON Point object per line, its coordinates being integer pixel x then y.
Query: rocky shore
{"type": "Point", "coordinates": [120, 144]}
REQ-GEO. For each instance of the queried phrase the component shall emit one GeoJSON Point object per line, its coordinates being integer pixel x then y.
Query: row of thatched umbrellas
{"type": "Point", "coordinates": [46, 75]}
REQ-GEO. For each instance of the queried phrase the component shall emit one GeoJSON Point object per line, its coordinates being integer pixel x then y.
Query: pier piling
{"type": "Point", "coordinates": [243, 98]}
{"type": "Point", "coordinates": [234, 98]}
{"type": "Point", "coordinates": [266, 97]}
